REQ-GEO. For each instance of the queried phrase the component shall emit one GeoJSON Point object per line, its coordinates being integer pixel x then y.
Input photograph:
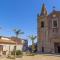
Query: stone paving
{"type": "Point", "coordinates": [37, 57]}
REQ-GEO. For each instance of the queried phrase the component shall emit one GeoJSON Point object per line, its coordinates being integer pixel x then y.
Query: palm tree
{"type": "Point", "coordinates": [17, 33]}
{"type": "Point", "coordinates": [32, 38]}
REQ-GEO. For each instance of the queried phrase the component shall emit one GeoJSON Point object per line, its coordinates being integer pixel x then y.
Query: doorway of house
{"type": "Point", "coordinates": [1, 49]}
{"type": "Point", "coordinates": [42, 49]}
{"type": "Point", "coordinates": [58, 49]}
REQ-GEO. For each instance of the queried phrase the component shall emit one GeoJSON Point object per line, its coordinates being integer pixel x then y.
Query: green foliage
{"type": "Point", "coordinates": [18, 52]}
{"type": "Point", "coordinates": [18, 32]}
{"type": "Point", "coordinates": [32, 37]}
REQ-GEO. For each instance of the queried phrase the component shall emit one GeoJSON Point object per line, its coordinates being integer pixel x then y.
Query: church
{"type": "Point", "coordinates": [48, 31]}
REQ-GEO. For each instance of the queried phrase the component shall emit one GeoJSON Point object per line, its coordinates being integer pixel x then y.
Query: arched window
{"type": "Point", "coordinates": [42, 24]}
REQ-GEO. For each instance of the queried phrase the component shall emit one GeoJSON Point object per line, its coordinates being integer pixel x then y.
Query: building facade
{"type": "Point", "coordinates": [48, 31]}
{"type": "Point", "coordinates": [8, 44]}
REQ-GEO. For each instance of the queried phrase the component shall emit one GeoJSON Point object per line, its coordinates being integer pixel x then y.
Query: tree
{"type": "Point", "coordinates": [17, 33]}
{"type": "Point", "coordinates": [32, 38]}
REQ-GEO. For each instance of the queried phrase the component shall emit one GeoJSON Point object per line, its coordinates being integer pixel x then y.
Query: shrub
{"type": "Point", "coordinates": [18, 52]}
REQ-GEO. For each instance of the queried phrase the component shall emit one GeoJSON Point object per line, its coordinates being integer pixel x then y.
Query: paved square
{"type": "Point", "coordinates": [37, 57]}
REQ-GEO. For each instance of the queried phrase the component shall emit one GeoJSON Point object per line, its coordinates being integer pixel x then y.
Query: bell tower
{"type": "Point", "coordinates": [42, 29]}
{"type": "Point", "coordinates": [43, 11]}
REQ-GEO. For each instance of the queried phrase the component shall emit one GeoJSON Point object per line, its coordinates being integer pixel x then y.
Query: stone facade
{"type": "Point", "coordinates": [48, 31]}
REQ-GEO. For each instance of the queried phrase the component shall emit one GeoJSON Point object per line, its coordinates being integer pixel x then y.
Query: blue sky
{"type": "Point", "coordinates": [22, 14]}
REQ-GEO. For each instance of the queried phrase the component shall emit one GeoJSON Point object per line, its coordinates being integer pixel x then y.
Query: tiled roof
{"type": "Point", "coordinates": [17, 40]}
{"type": "Point", "coordinates": [3, 41]}
{"type": "Point", "coordinates": [12, 40]}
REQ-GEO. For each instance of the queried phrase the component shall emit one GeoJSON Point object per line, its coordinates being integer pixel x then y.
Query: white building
{"type": "Point", "coordinates": [8, 44]}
